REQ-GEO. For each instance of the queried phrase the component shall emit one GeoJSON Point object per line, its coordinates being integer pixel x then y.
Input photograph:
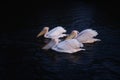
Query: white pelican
{"type": "Point", "coordinates": [56, 32]}
{"type": "Point", "coordinates": [67, 46]}
{"type": "Point", "coordinates": [86, 36]}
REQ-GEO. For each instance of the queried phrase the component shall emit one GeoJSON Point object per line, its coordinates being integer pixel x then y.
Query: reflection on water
{"type": "Point", "coordinates": [23, 58]}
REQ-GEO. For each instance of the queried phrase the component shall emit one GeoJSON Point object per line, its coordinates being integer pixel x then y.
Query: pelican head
{"type": "Point", "coordinates": [43, 32]}
{"type": "Point", "coordinates": [72, 35]}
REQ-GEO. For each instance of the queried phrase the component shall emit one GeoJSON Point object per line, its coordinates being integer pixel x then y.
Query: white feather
{"type": "Point", "coordinates": [57, 32]}
{"type": "Point", "coordinates": [87, 36]}
{"type": "Point", "coordinates": [68, 46]}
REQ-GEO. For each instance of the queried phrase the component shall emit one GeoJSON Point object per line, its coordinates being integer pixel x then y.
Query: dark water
{"type": "Point", "coordinates": [22, 58]}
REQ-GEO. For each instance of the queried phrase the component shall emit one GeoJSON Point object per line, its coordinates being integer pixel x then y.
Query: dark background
{"type": "Point", "coordinates": [22, 13]}
{"type": "Point", "coordinates": [22, 58]}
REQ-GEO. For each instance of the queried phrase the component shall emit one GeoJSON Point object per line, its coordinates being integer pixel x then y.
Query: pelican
{"type": "Point", "coordinates": [56, 32]}
{"type": "Point", "coordinates": [71, 45]}
{"type": "Point", "coordinates": [86, 36]}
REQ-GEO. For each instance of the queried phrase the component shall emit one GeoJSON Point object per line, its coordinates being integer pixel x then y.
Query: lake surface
{"type": "Point", "coordinates": [21, 56]}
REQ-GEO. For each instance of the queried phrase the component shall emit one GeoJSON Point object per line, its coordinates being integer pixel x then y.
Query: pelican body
{"type": "Point", "coordinates": [87, 36]}
{"type": "Point", "coordinates": [68, 46]}
{"type": "Point", "coordinates": [56, 32]}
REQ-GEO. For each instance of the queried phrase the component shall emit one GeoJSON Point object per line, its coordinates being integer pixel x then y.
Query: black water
{"type": "Point", "coordinates": [21, 56]}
